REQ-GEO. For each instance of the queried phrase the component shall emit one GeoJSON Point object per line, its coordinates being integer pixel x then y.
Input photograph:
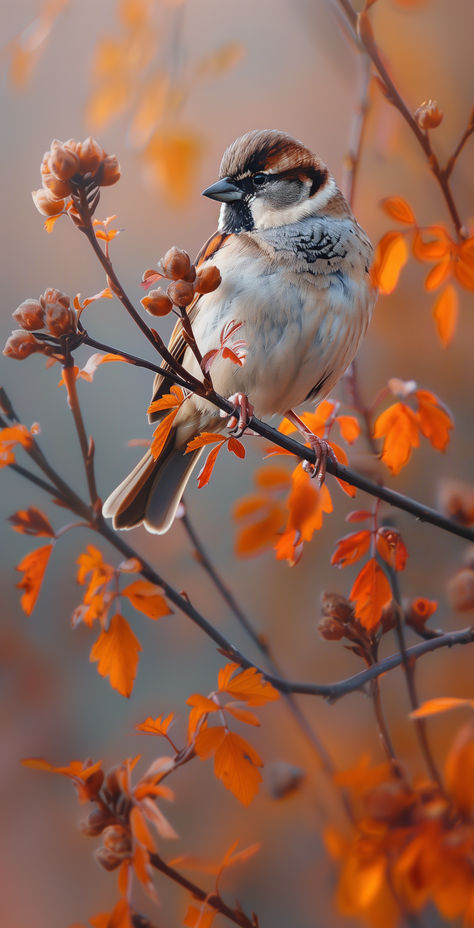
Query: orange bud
{"type": "Point", "coordinates": [56, 187]}
{"type": "Point", "coordinates": [90, 155]}
{"type": "Point", "coordinates": [181, 293]}
{"type": "Point", "coordinates": [428, 115]}
{"type": "Point", "coordinates": [63, 162]}
{"type": "Point", "coordinates": [117, 839]}
{"type": "Point", "coordinates": [107, 859]}
{"type": "Point", "coordinates": [157, 303]}
{"type": "Point", "coordinates": [46, 204]}
{"type": "Point", "coordinates": [21, 344]}
{"type": "Point", "coordinates": [461, 590]}
{"type": "Point", "coordinates": [51, 295]}
{"type": "Point", "coordinates": [208, 280]}
{"type": "Point", "coordinates": [29, 315]}
{"type": "Point", "coordinates": [176, 263]}
{"type": "Point", "coordinates": [418, 611]}
{"type": "Point", "coordinates": [109, 171]}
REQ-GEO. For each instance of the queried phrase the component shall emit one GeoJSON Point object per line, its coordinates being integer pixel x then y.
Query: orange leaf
{"type": "Point", "coordinates": [438, 247]}
{"type": "Point", "coordinates": [459, 770]}
{"type": "Point", "coordinates": [371, 592]}
{"type": "Point", "coordinates": [398, 208]}
{"type": "Point", "coordinates": [95, 360]}
{"type": "Point", "coordinates": [157, 726]}
{"type": "Point", "coordinates": [9, 437]}
{"type": "Point", "coordinates": [31, 522]}
{"type": "Point", "coordinates": [438, 274]}
{"type": "Point", "coordinates": [235, 761]}
{"type": "Point", "coordinates": [351, 548]}
{"type": "Point", "coordinates": [464, 271]}
{"type": "Point", "coordinates": [117, 651]}
{"type": "Point", "coordinates": [173, 157]}
{"type": "Point", "coordinates": [392, 548]}
{"type": "Point", "coordinates": [435, 422]}
{"type": "Point", "coordinates": [445, 314]}
{"type": "Point", "coordinates": [246, 686]}
{"type": "Point", "coordinates": [262, 533]}
{"type": "Point", "coordinates": [145, 597]}
{"type": "Point", "coordinates": [120, 917]}
{"type": "Point", "coordinates": [204, 475]}
{"type": "Point", "coordinates": [349, 426]}
{"type": "Point", "coordinates": [399, 426]}
{"type": "Point", "coordinates": [272, 477]}
{"type": "Point", "coordinates": [199, 918]}
{"type": "Point", "coordinates": [174, 398]}
{"type": "Point", "coordinates": [162, 432]}
{"type": "Point", "coordinates": [440, 704]}
{"type": "Point", "coordinates": [205, 438]}
{"type": "Point", "coordinates": [306, 504]}
{"type": "Point", "coordinates": [225, 58]}
{"type": "Point", "coordinates": [242, 715]}
{"type": "Point", "coordinates": [107, 102]}
{"type": "Point", "coordinates": [236, 446]}
{"type": "Point", "coordinates": [390, 257]}
{"type": "Point", "coordinates": [33, 567]}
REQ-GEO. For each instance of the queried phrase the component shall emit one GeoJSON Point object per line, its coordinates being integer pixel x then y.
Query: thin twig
{"type": "Point", "coordinates": [87, 446]}
{"type": "Point", "coordinates": [211, 899]}
{"type": "Point", "coordinates": [409, 671]}
{"type": "Point", "coordinates": [360, 24]}
{"type": "Point", "coordinates": [203, 559]}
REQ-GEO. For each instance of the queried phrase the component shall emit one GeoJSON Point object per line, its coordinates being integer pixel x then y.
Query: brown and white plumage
{"type": "Point", "coordinates": [294, 264]}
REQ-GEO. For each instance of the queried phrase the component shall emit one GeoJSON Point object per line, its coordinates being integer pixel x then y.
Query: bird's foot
{"type": "Point", "coordinates": [238, 422]}
{"type": "Point", "coordinates": [322, 449]}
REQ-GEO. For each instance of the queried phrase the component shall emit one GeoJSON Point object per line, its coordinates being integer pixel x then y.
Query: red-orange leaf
{"type": "Point", "coordinates": [370, 593]}
{"type": "Point", "coordinates": [145, 597]}
{"type": "Point", "coordinates": [399, 427]}
{"type": "Point", "coordinates": [435, 422]}
{"type": "Point", "coordinates": [398, 209]}
{"type": "Point", "coordinates": [204, 438]}
{"type": "Point", "coordinates": [445, 314]}
{"type": "Point", "coordinates": [33, 567]}
{"type": "Point", "coordinates": [349, 426]}
{"type": "Point", "coordinates": [162, 432]}
{"type": "Point", "coordinates": [246, 686]}
{"type": "Point", "coordinates": [438, 274]}
{"type": "Point", "coordinates": [390, 257]}
{"type": "Point", "coordinates": [204, 475]}
{"type": "Point", "coordinates": [235, 761]}
{"type": "Point", "coordinates": [168, 401]}
{"type": "Point", "coordinates": [440, 704]}
{"type": "Point", "coordinates": [31, 522]}
{"type": "Point", "coordinates": [117, 651]}
{"type": "Point", "coordinates": [351, 548]}
{"type": "Point", "coordinates": [14, 435]}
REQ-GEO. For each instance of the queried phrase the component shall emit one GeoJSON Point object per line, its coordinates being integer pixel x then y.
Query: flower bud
{"type": "Point", "coordinates": [45, 167]}
{"type": "Point", "coordinates": [208, 280]}
{"type": "Point", "coordinates": [330, 629]}
{"type": "Point", "coordinates": [176, 263]}
{"type": "Point", "coordinates": [51, 295]}
{"type": "Point", "coordinates": [63, 162]}
{"type": "Point", "coordinates": [96, 822]}
{"type": "Point", "coordinates": [21, 344]}
{"type": "Point", "coordinates": [46, 204]}
{"type": "Point", "coordinates": [90, 155]}
{"type": "Point", "coordinates": [461, 590]}
{"type": "Point", "coordinates": [157, 303]}
{"type": "Point", "coordinates": [335, 606]}
{"type": "Point", "coordinates": [117, 839]}
{"type": "Point", "coordinates": [428, 115]}
{"type": "Point", "coordinates": [29, 315]}
{"type": "Point", "coordinates": [109, 171]}
{"type": "Point", "coordinates": [181, 293]}
{"type": "Point", "coordinates": [56, 187]}
{"type": "Point", "coordinates": [419, 611]}
{"type": "Point", "coordinates": [112, 786]}
{"type": "Point", "coordinates": [107, 859]}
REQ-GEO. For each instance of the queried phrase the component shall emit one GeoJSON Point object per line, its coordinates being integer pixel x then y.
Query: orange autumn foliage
{"type": "Point", "coordinates": [400, 427]}
{"type": "Point", "coordinates": [116, 651]}
{"type": "Point", "coordinates": [33, 568]}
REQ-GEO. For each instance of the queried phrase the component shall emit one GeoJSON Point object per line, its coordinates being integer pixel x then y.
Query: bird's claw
{"type": "Point", "coordinates": [240, 419]}
{"type": "Point", "coordinates": [323, 452]}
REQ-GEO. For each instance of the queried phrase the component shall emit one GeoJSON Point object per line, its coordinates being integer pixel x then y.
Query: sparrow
{"type": "Point", "coordinates": [295, 265]}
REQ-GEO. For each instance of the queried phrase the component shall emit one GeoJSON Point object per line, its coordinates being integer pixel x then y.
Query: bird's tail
{"type": "Point", "coordinates": [151, 493]}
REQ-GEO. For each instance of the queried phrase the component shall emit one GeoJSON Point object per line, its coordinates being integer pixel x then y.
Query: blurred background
{"type": "Point", "coordinates": [211, 71]}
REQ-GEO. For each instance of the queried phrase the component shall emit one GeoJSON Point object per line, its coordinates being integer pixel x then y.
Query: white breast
{"type": "Point", "coordinates": [300, 328]}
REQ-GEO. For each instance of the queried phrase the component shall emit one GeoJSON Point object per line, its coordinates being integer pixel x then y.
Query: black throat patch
{"type": "Point", "coordinates": [237, 217]}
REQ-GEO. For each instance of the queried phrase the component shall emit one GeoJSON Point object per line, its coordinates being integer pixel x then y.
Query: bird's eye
{"type": "Point", "coordinates": [259, 179]}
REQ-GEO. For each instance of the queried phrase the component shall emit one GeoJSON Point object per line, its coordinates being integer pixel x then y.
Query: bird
{"type": "Point", "coordinates": [295, 269]}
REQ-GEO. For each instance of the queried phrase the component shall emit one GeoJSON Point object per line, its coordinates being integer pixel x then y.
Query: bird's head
{"type": "Point", "coordinates": [269, 179]}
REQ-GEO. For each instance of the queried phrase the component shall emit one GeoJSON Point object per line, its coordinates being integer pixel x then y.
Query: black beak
{"type": "Point", "coordinates": [224, 190]}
